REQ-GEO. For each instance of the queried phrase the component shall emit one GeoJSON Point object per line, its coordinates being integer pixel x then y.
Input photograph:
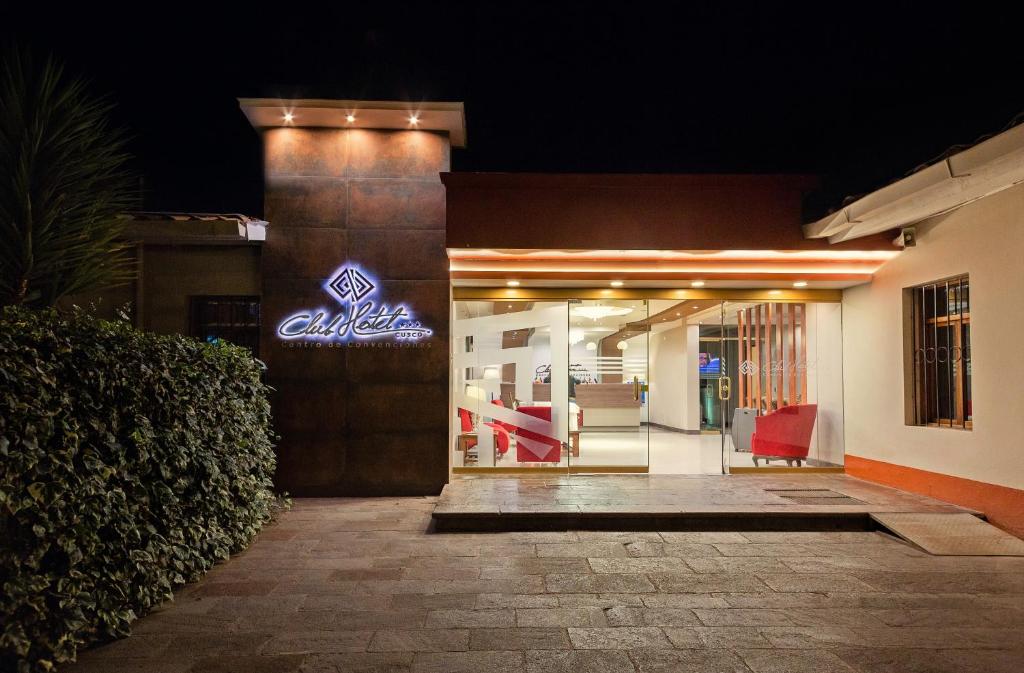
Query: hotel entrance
{"type": "Point", "coordinates": [645, 382]}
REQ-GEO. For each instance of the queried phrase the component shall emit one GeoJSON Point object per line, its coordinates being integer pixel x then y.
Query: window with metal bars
{"type": "Point", "coordinates": [232, 319]}
{"type": "Point", "coordinates": [940, 319]}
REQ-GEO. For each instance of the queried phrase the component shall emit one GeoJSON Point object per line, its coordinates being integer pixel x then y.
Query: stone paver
{"type": "Point", "coordinates": [494, 503]}
{"type": "Point", "coordinates": [339, 585]}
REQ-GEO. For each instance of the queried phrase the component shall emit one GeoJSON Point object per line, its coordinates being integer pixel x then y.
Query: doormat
{"type": "Point", "coordinates": [814, 496]}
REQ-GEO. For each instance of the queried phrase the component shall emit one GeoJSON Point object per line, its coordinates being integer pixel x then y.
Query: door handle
{"type": "Point", "coordinates": [724, 387]}
{"type": "Point", "coordinates": [636, 388]}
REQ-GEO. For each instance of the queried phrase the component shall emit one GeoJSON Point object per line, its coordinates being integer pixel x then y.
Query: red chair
{"type": "Point", "coordinates": [501, 435]}
{"type": "Point", "coordinates": [526, 455]}
{"type": "Point", "coordinates": [784, 434]}
{"type": "Point", "coordinates": [501, 431]}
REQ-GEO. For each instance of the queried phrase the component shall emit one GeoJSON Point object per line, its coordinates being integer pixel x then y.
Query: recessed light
{"type": "Point", "coordinates": [616, 283]}
{"type": "Point", "coordinates": [512, 283]}
{"type": "Point", "coordinates": [697, 283]}
{"type": "Point", "coordinates": [774, 291]}
{"type": "Point", "coordinates": [414, 119]}
{"type": "Point", "coordinates": [288, 117]}
{"type": "Point", "coordinates": [350, 118]}
{"type": "Point", "coordinates": [800, 283]}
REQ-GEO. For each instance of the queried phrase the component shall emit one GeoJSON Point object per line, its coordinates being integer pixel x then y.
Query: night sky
{"type": "Point", "coordinates": [859, 95]}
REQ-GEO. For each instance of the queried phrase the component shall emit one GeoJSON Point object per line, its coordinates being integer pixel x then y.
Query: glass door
{"type": "Point", "coordinates": [783, 408]}
{"type": "Point", "coordinates": [730, 419]}
{"type": "Point", "coordinates": [608, 345]}
{"type": "Point", "coordinates": [510, 386]}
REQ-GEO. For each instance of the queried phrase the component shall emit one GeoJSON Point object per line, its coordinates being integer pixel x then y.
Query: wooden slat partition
{"type": "Point", "coordinates": [793, 366]}
{"type": "Point", "coordinates": [768, 335]}
{"type": "Point", "coordinates": [803, 353]}
{"type": "Point", "coordinates": [740, 332]}
{"type": "Point", "coordinates": [769, 356]}
{"type": "Point", "coordinates": [779, 367]}
{"type": "Point", "coordinates": [758, 369]}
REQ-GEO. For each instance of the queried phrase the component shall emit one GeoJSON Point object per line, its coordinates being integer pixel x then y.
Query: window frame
{"type": "Point", "coordinates": [199, 328]}
{"type": "Point", "coordinates": [938, 390]}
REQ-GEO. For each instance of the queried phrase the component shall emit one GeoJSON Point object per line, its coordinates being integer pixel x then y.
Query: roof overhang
{"type": "Point", "coordinates": [813, 269]}
{"type": "Point", "coordinates": [979, 171]}
{"type": "Point", "coordinates": [193, 229]}
{"type": "Point", "coordinates": [448, 117]}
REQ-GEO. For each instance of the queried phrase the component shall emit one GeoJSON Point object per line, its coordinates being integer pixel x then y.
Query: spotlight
{"type": "Point", "coordinates": [414, 119]}
{"type": "Point", "coordinates": [288, 117]}
{"type": "Point", "coordinates": [616, 283]}
{"type": "Point", "coordinates": [800, 283]}
{"type": "Point", "coordinates": [350, 118]}
{"type": "Point", "coordinates": [512, 283]}
{"type": "Point", "coordinates": [697, 283]}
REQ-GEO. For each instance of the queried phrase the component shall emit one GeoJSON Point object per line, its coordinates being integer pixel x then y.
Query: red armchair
{"type": "Point", "coordinates": [501, 434]}
{"type": "Point", "coordinates": [537, 448]}
{"type": "Point", "coordinates": [501, 431]}
{"type": "Point", "coordinates": [784, 434]}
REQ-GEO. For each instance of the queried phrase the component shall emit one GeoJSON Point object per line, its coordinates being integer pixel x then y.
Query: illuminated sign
{"type": "Point", "coordinates": [361, 316]}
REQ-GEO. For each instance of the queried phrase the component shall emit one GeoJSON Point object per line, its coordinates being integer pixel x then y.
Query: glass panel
{"type": "Point", "coordinates": [608, 389]}
{"type": "Point", "coordinates": [510, 395]}
{"type": "Point", "coordinates": [782, 400]}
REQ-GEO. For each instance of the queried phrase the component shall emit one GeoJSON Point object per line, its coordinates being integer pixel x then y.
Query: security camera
{"type": "Point", "coordinates": [907, 238]}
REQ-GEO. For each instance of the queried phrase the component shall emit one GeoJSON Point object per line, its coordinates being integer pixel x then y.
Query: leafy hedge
{"type": "Point", "coordinates": [130, 463]}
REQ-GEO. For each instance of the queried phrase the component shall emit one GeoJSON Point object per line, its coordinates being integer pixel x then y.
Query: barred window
{"type": "Point", "coordinates": [940, 317]}
{"type": "Point", "coordinates": [232, 319]}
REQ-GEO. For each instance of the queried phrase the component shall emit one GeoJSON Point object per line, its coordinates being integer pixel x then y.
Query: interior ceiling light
{"type": "Point", "coordinates": [800, 283]}
{"type": "Point", "coordinates": [697, 283]}
{"type": "Point", "coordinates": [591, 346]}
{"type": "Point", "coordinates": [616, 283]}
{"type": "Point", "coordinates": [598, 311]}
{"type": "Point", "coordinates": [622, 345]}
{"type": "Point", "coordinates": [512, 283]}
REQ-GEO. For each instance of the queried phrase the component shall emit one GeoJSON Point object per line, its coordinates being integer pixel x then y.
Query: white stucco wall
{"type": "Point", "coordinates": [986, 240]}
{"type": "Point", "coordinates": [825, 380]}
{"type": "Point", "coordinates": [667, 368]}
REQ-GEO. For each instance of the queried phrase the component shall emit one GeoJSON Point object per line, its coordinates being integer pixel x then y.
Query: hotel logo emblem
{"type": "Point", "coordinates": [362, 316]}
{"type": "Point", "coordinates": [349, 282]}
{"type": "Point", "coordinates": [748, 367]}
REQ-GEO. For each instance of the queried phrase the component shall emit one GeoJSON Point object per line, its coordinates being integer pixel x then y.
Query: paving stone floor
{"type": "Point", "coordinates": [667, 494]}
{"type": "Point", "coordinates": [340, 585]}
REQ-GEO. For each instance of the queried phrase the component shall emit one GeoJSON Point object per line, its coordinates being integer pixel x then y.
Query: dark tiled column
{"type": "Point", "coordinates": [357, 421]}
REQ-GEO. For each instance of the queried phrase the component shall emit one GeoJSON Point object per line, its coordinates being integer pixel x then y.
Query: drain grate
{"type": "Point", "coordinates": [814, 496]}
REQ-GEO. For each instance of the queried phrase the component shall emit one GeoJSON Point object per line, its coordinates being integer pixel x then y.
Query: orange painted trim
{"type": "Point", "coordinates": [1003, 506]}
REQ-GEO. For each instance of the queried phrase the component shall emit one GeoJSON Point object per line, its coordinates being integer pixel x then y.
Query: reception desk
{"type": "Point", "coordinates": [608, 406]}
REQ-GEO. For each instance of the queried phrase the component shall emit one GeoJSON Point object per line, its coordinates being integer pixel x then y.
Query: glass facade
{"type": "Point", "coordinates": [658, 385]}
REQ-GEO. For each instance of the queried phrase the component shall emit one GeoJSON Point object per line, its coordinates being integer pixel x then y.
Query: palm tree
{"type": "Point", "coordinates": [63, 182]}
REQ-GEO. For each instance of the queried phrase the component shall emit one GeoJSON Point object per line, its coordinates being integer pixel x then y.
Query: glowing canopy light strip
{"type": "Point", "coordinates": [360, 316]}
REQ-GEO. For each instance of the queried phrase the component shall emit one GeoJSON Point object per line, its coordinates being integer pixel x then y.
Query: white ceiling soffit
{"type": "Point", "coordinates": [355, 114]}
{"type": "Point", "coordinates": [977, 172]}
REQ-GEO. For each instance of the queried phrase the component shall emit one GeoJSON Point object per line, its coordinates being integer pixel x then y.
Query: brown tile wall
{"type": "Point", "coordinates": [357, 421]}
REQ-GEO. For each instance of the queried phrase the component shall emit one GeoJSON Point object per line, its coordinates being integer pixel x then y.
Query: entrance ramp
{"type": "Point", "coordinates": [951, 534]}
{"type": "Point", "coordinates": [742, 502]}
